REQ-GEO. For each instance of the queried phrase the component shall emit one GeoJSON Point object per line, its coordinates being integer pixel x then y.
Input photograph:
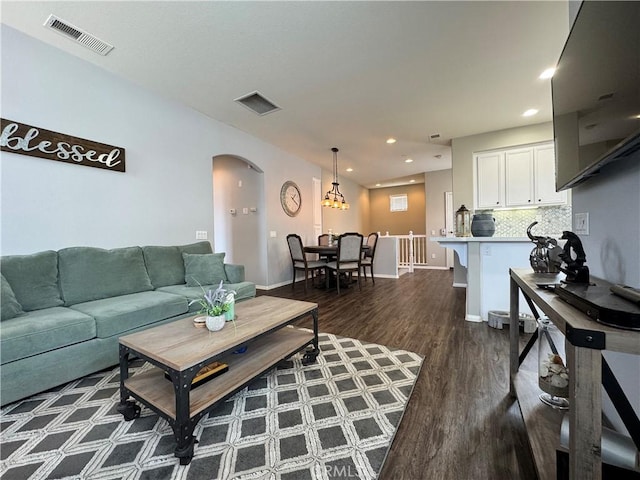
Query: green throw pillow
{"type": "Point", "coordinates": [10, 306]}
{"type": "Point", "coordinates": [207, 269]}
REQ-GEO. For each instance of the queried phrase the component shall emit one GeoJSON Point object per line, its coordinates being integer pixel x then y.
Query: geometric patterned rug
{"type": "Point", "coordinates": [332, 419]}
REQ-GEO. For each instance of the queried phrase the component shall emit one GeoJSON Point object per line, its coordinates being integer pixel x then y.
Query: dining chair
{"type": "Point", "coordinates": [323, 240]}
{"type": "Point", "coordinates": [347, 258]}
{"type": "Point", "coordinates": [299, 260]}
{"type": "Point", "coordinates": [367, 259]}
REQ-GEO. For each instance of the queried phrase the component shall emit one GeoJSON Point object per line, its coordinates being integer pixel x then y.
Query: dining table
{"type": "Point", "coordinates": [330, 252]}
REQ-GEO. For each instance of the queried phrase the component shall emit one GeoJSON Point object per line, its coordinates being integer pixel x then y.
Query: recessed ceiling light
{"type": "Point", "coordinates": [349, 169]}
{"type": "Point", "coordinates": [637, 116]}
{"type": "Point", "coordinates": [377, 184]}
{"type": "Point", "coordinates": [391, 140]}
{"type": "Point", "coordinates": [408, 160]}
{"type": "Point", "coordinates": [530, 112]}
{"type": "Point", "coordinates": [412, 181]}
{"type": "Point", "coordinates": [548, 73]}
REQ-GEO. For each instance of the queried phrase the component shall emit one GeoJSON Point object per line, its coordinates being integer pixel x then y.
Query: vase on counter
{"type": "Point", "coordinates": [483, 224]}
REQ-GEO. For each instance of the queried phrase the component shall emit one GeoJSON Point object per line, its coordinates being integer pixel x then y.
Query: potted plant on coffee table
{"type": "Point", "coordinates": [214, 304]}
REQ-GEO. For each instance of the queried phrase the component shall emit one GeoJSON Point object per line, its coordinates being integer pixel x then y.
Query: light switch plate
{"type": "Point", "coordinates": [581, 223]}
{"type": "Point", "coordinates": [201, 234]}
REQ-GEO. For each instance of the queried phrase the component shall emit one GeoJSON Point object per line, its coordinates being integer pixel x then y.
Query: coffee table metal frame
{"type": "Point", "coordinates": [152, 389]}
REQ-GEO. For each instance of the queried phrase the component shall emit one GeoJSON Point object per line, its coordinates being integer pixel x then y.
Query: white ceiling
{"type": "Point", "coordinates": [345, 74]}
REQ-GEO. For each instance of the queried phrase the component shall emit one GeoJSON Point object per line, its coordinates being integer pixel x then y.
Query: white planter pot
{"type": "Point", "coordinates": [215, 323]}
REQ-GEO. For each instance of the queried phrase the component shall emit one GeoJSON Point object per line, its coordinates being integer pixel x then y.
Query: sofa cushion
{"type": "Point", "coordinates": [43, 330]}
{"type": "Point", "coordinates": [8, 304]}
{"type": "Point", "coordinates": [88, 273]}
{"type": "Point", "coordinates": [235, 273]}
{"type": "Point", "coordinates": [204, 269]}
{"type": "Point", "coordinates": [33, 279]}
{"type": "Point", "coordinates": [165, 265]}
{"type": "Point", "coordinates": [244, 290]}
{"type": "Point", "coordinates": [118, 315]}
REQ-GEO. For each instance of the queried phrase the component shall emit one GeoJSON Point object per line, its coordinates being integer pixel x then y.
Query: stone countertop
{"type": "Point", "coordinates": [481, 239]}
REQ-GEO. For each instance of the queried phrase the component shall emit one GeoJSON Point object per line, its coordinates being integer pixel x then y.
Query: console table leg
{"type": "Point", "coordinates": [585, 420]}
{"type": "Point", "coordinates": [514, 334]}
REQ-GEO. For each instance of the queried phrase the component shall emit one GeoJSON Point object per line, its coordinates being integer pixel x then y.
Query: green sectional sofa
{"type": "Point", "coordinates": [63, 312]}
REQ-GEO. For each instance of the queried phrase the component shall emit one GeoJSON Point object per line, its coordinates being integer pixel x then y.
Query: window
{"type": "Point", "coordinates": [398, 203]}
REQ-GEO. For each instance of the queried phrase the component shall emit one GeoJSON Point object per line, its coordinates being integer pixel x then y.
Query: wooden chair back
{"type": "Point", "coordinates": [349, 247]}
{"type": "Point", "coordinates": [295, 248]}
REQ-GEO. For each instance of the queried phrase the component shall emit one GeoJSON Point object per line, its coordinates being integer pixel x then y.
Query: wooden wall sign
{"type": "Point", "coordinates": [37, 142]}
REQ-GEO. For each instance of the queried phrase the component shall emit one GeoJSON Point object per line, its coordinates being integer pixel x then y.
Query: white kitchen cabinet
{"type": "Point", "coordinates": [517, 177]}
{"type": "Point", "coordinates": [490, 179]}
{"type": "Point", "coordinates": [545, 177]}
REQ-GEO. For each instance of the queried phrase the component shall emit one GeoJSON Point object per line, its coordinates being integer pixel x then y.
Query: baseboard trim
{"type": "Point", "coordinates": [473, 318]}
{"type": "Point", "coordinates": [271, 287]}
{"type": "Point", "coordinates": [460, 285]}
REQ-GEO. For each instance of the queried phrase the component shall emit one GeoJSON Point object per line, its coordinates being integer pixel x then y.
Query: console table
{"type": "Point", "coordinates": [585, 340]}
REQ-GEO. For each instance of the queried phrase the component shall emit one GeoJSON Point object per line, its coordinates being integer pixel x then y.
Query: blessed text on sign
{"type": "Point", "coordinates": [38, 142]}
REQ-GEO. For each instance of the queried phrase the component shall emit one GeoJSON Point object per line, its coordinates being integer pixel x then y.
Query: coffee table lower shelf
{"type": "Point", "coordinates": [152, 388]}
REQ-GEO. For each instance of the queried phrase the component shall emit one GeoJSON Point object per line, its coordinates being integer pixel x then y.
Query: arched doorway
{"type": "Point", "coordinates": [239, 220]}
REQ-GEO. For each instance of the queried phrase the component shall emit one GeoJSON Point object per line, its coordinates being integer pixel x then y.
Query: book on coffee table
{"type": "Point", "coordinates": [206, 373]}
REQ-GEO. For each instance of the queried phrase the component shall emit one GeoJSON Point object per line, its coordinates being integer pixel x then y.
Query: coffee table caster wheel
{"type": "Point", "coordinates": [129, 410]}
{"type": "Point", "coordinates": [310, 356]}
{"type": "Point", "coordinates": [185, 454]}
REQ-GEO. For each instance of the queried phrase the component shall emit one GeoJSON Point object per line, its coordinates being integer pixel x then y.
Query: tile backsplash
{"type": "Point", "coordinates": [551, 221]}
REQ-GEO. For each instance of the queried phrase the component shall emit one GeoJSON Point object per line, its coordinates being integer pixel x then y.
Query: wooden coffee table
{"type": "Point", "coordinates": [181, 350]}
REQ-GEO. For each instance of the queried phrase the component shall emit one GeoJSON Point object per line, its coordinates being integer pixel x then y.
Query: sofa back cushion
{"type": "Point", "coordinates": [201, 270]}
{"type": "Point", "coordinates": [88, 273]}
{"type": "Point", "coordinates": [165, 264]}
{"type": "Point", "coordinates": [33, 279]}
{"type": "Point", "coordinates": [8, 303]}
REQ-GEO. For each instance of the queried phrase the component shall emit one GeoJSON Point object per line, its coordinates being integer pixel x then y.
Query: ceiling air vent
{"type": "Point", "coordinates": [80, 36]}
{"type": "Point", "coordinates": [257, 103]}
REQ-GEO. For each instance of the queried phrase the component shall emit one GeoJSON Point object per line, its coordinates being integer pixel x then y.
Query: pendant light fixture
{"type": "Point", "coordinates": [333, 197]}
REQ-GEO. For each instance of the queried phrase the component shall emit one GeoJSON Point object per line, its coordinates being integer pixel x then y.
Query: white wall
{"type": "Point", "coordinates": [356, 219]}
{"type": "Point", "coordinates": [436, 184]}
{"type": "Point", "coordinates": [612, 200]}
{"type": "Point", "coordinates": [166, 193]}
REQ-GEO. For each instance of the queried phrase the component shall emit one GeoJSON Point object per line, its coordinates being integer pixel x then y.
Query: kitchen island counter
{"type": "Point", "coordinates": [483, 268]}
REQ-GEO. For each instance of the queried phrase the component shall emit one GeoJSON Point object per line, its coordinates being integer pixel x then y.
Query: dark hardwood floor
{"type": "Point", "coordinates": [461, 422]}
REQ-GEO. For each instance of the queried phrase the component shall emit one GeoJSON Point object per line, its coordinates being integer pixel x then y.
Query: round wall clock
{"type": "Point", "coordinates": [290, 198]}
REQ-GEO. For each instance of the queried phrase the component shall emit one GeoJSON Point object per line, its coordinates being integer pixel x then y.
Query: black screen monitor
{"type": "Point", "coordinates": [596, 91]}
